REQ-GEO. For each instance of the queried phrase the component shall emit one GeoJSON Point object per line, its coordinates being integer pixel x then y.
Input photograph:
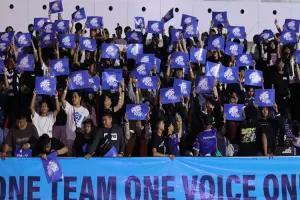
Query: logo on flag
{"type": "Point", "coordinates": [216, 43]}
{"type": "Point", "coordinates": [253, 77]}
{"type": "Point", "coordinates": [45, 85]}
{"type": "Point", "coordinates": [94, 22]}
{"type": "Point", "coordinates": [147, 82]}
{"type": "Point", "coordinates": [184, 87]}
{"type": "Point", "coordinates": [204, 84]}
{"type": "Point", "coordinates": [264, 97]}
{"type": "Point", "coordinates": [139, 22]}
{"type": "Point", "coordinates": [79, 80]}
{"type": "Point", "coordinates": [288, 37]}
{"type": "Point", "coordinates": [55, 6]}
{"type": "Point", "coordinates": [52, 168]}
{"type": "Point", "coordinates": [154, 27]}
{"type": "Point", "coordinates": [39, 23]}
{"type": "Point", "coordinates": [87, 44]}
{"type": "Point", "coordinates": [111, 79]}
{"type": "Point", "coordinates": [187, 19]}
{"type": "Point", "coordinates": [219, 18]}
{"type": "Point", "coordinates": [23, 40]}
{"type": "Point", "coordinates": [169, 95]}
{"type": "Point", "coordinates": [78, 15]}
{"type": "Point", "coordinates": [213, 69]}
{"type": "Point", "coordinates": [233, 49]}
{"type": "Point", "coordinates": [244, 60]}
{"type": "Point", "coordinates": [133, 50]}
{"type": "Point", "coordinates": [110, 51]}
{"type": "Point", "coordinates": [59, 67]}
{"type": "Point", "coordinates": [67, 41]}
{"type": "Point", "coordinates": [198, 55]}
{"type": "Point", "coordinates": [234, 112]}
{"type": "Point", "coordinates": [137, 112]}
{"type": "Point", "coordinates": [229, 75]}
{"type": "Point", "coordinates": [179, 60]}
{"type": "Point", "coordinates": [25, 62]}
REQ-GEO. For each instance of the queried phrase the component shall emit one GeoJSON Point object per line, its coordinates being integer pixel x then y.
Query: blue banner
{"type": "Point", "coordinates": [155, 27]}
{"type": "Point", "coordinates": [154, 178]}
{"type": "Point", "coordinates": [61, 26]}
{"type": "Point", "coordinates": [94, 22]}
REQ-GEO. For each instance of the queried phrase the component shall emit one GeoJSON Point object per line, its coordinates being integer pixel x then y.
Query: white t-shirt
{"type": "Point", "coordinates": [43, 124]}
{"type": "Point", "coordinates": [80, 114]}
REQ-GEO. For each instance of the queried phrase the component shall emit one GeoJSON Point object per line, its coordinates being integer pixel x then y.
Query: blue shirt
{"type": "Point", "coordinates": [206, 142]}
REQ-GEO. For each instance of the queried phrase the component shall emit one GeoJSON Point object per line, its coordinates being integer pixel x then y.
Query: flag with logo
{"type": "Point", "coordinates": [264, 97]}
{"type": "Point", "coordinates": [67, 41]}
{"type": "Point", "coordinates": [78, 15]}
{"type": "Point", "coordinates": [176, 35]}
{"type": "Point", "coordinates": [55, 7]}
{"type": "Point", "coordinates": [213, 69]}
{"type": "Point", "coordinates": [38, 23]}
{"type": "Point", "coordinates": [291, 25]}
{"type": "Point", "coordinates": [169, 95]}
{"type": "Point", "coordinates": [25, 63]}
{"type": "Point", "coordinates": [266, 35]}
{"type": "Point", "coordinates": [179, 60]}
{"type": "Point", "coordinates": [48, 27]}
{"type": "Point", "coordinates": [112, 152]}
{"type": "Point", "coordinates": [142, 69]}
{"type": "Point", "coordinates": [87, 44]}
{"type": "Point", "coordinates": [47, 40]}
{"type": "Point", "coordinates": [187, 19]}
{"type": "Point", "coordinates": [234, 112]}
{"type": "Point", "coordinates": [52, 168]}
{"type": "Point", "coordinates": [59, 67]}
{"type": "Point", "coordinates": [94, 83]}
{"type": "Point", "coordinates": [134, 37]}
{"type": "Point", "coordinates": [168, 16]}
{"type": "Point", "coordinates": [219, 18]}
{"type": "Point", "coordinates": [253, 78]}
{"type": "Point", "coordinates": [145, 58]}
{"type": "Point", "coordinates": [139, 22]}
{"type": "Point", "coordinates": [79, 80]}
{"type": "Point", "coordinates": [61, 26]}
{"type": "Point", "coordinates": [191, 30]}
{"type": "Point", "coordinates": [3, 46]}
{"type": "Point", "coordinates": [244, 60]}
{"type": "Point", "coordinates": [147, 82]}
{"type": "Point", "coordinates": [45, 85]}
{"type": "Point", "coordinates": [94, 22]}
{"type": "Point", "coordinates": [237, 32]}
{"type": "Point", "coordinates": [109, 51]}
{"type": "Point", "coordinates": [23, 40]}
{"type": "Point", "coordinates": [111, 79]}
{"type": "Point", "coordinates": [155, 27]}
{"type": "Point", "coordinates": [137, 111]}
{"type": "Point", "coordinates": [1, 66]}
{"type": "Point", "coordinates": [198, 55]}
{"type": "Point", "coordinates": [7, 37]}
{"type": "Point", "coordinates": [229, 75]}
{"type": "Point", "coordinates": [233, 49]}
{"type": "Point", "coordinates": [204, 84]}
{"type": "Point", "coordinates": [184, 87]}
{"type": "Point", "coordinates": [22, 153]}
{"type": "Point", "coordinates": [216, 42]}
{"type": "Point", "coordinates": [288, 37]}
{"type": "Point", "coordinates": [133, 50]}
{"type": "Point", "coordinates": [297, 56]}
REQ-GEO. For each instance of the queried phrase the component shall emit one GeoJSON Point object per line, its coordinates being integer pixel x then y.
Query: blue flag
{"type": "Point", "coordinates": [244, 60]}
{"type": "Point", "coordinates": [94, 83]}
{"type": "Point", "coordinates": [142, 69]}
{"type": "Point", "coordinates": [179, 60]}
{"type": "Point", "coordinates": [236, 32]}
{"type": "Point", "coordinates": [78, 15]}
{"type": "Point", "coordinates": [253, 78]}
{"type": "Point", "coordinates": [233, 49]}
{"type": "Point", "coordinates": [216, 42]}
{"type": "Point", "coordinates": [45, 85]}
{"type": "Point", "coordinates": [168, 16]}
{"type": "Point", "coordinates": [191, 30]}
{"type": "Point", "coordinates": [87, 44]}
{"type": "Point", "coordinates": [67, 41]}
{"type": "Point", "coordinates": [184, 87]}
{"type": "Point", "coordinates": [25, 63]}
{"type": "Point", "coordinates": [266, 35]}
{"type": "Point", "coordinates": [59, 67]}
{"type": "Point", "coordinates": [94, 22]}
{"type": "Point", "coordinates": [7, 37]}
{"type": "Point", "coordinates": [169, 95]}
{"type": "Point", "coordinates": [134, 37]}
{"type": "Point", "coordinates": [55, 6]}
{"type": "Point", "coordinates": [38, 23]}
{"type": "Point", "coordinates": [213, 69]}
{"type": "Point", "coordinates": [291, 25]}
{"type": "Point", "coordinates": [234, 112]}
{"type": "Point", "coordinates": [112, 152]}
{"type": "Point", "coordinates": [22, 153]}
{"type": "Point", "coordinates": [79, 80]}
{"type": "Point", "coordinates": [23, 40]}
{"type": "Point", "coordinates": [47, 40]}
{"type": "Point", "coordinates": [139, 22]}
{"type": "Point", "coordinates": [288, 37]}
{"type": "Point", "coordinates": [111, 79]}
{"type": "Point", "coordinates": [155, 27]}
{"type": "Point", "coordinates": [204, 84]}
{"type": "Point", "coordinates": [61, 26]}
{"type": "Point", "coordinates": [264, 97]}
{"type": "Point", "coordinates": [157, 63]}
{"type": "Point", "coordinates": [176, 35]}
{"type": "Point", "coordinates": [297, 56]}
{"type": "Point", "coordinates": [133, 50]}
{"type": "Point", "coordinates": [137, 111]}
{"type": "Point", "coordinates": [147, 82]}
{"type": "Point", "coordinates": [229, 75]}
{"type": "Point", "coordinates": [145, 58]}
{"type": "Point", "coordinates": [3, 46]}
{"type": "Point", "coordinates": [219, 18]}
{"type": "Point", "coordinates": [187, 19]}
{"type": "Point", "coordinates": [48, 27]}
{"type": "Point", "coordinates": [1, 66]}
{"type": "Point", "coordinates": [109, 51]}
{"type": "Point", "coordinates": [198, 55]}
{"type": "Point", "coordinates": [52, 168]}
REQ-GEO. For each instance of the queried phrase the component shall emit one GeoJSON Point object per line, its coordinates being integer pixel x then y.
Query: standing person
{"type": "Point", "coordinates": [107, 137]}
{"type": "Point", "coordinates": [76, 114]}
{"type": "Point", "coordinates": [44, 120]}
{"type": "Point", "coordinates": [23, 135]}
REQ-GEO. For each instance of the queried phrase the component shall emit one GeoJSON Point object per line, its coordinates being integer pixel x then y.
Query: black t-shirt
{"type": "Point", "coordinates": [281, 82]}
{"type": "Point", "coordinates": [61, 118]}
{"type": "Point", "coordinates": [248, 145]}
{"type": "Point", "coordinates": [82, 143]}
{"type": "Point", "coordinates": [55, 145]}
{"type": "Point", "coordinates": [158, 142]}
